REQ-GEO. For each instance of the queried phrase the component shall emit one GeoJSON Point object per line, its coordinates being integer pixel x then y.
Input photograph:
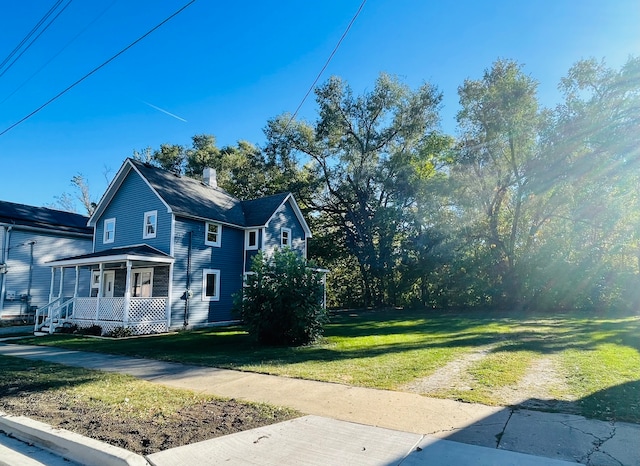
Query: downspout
{"type": "Point", "coordinates": [187, 293]}
{"type": "Point", "coordinates": [28, 301]}
{"type": "Point", "coordinates": [5, 259]}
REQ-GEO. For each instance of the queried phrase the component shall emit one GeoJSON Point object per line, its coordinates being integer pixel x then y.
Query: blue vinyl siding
{"type": "Point", "coordinates": [227, 258]}
{"type": "Point", "coordinates": [47, 247]}
{"type": "Point", "coordinates": [133, 199]}
{"type": "Point", "coordinates": [285, 217]}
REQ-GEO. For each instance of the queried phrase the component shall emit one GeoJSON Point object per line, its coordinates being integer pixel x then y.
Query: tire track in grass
{"type": "Point", "coordinates": [452, 376]}
{"type": "Point", "coordinates": [542, 387]}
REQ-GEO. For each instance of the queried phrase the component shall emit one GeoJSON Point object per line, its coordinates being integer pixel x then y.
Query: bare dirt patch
{"type": "Point", "coordinates": [143, 435]}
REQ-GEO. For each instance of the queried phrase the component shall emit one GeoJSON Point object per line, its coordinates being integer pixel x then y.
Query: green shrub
{"type": "Point", "coordinates": [282, 299]}
{"type": "Point", "coordinates": [95, 330]}
{"type": "Point", "coordinates": [119, 332]}
{"type": "Point", "coordinates": [68, 327]}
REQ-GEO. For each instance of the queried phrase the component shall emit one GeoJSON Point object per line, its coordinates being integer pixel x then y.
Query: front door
{"type": "Point", "coordinates": [108, 279]}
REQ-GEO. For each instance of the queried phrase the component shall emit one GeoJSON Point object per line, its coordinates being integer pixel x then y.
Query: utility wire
{"type": "Point", "coordinates": [59, 52]}
{"type": "Point", "coordinates": [344, 34]}
{"type": "Point", "coordinates": [98, 67]}
{"type": "Point", "coordinates": [34, 39]}
{"type": "Point", "coordinates": [32, 32]}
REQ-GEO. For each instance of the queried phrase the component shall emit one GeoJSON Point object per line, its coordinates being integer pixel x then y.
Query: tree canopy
{"type": "Point", "coordinates": [525, 207]}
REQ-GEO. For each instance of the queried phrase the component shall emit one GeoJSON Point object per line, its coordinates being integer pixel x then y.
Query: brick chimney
{"type": "Point", "coordinates": [209, 177]}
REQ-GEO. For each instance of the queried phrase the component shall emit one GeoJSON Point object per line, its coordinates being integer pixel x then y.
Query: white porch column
{"type": "Point", "coordinates": [61, 282]}
{"type": "Point", "coordinates": [169, 296]}
{"type": "Point", "coordinates": [75, 289]}
{"type": "Point", "coordinates": [101, 270]}
{"type": "Point", "coordinates": [53, 279]}
{"type": "Point", "coordinates": [127, 295]}
{"type": "Point", "coordinates": [324, 291]}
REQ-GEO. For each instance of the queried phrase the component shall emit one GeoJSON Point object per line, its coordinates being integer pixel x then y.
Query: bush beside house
{"type": "Point", "coordinates": [282, 300]}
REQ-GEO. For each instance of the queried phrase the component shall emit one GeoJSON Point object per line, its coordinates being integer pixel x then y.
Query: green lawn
{"type": "Point", "coordinates": [119, 395]}
{"type": "Point", "coordinates": [599, 356]}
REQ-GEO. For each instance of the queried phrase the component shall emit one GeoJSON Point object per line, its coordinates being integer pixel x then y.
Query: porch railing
{"type": "Point", "coordinates": [53, 314]}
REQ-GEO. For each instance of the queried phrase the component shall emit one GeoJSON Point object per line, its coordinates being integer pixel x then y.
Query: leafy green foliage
{"type": "Point", "coordinates": [371, 154]}
{"type": "Point", "coordinates": [282, 300]}
{"type": "Point", "coordinates": [528, 208]}
{"type": "Point", "coordinates": [119, 332]}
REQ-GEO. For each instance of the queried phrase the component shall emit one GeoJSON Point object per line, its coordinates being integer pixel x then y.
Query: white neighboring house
{"type": "Point", "coordinates": [29, 238]}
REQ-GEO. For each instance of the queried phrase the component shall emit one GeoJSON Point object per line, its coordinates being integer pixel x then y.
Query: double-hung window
{"type": "Point", "coordinates": [109, 231]}
{"type": "Point", "coordinates": [141, 283]}
{"type": "Point", "coordinates": [285, 237]}
{"type": "Point", "coordinates": [150, 224]}
{"type": "Point", "coordinates": [213, 234]}
{"type": "Point", "coordinates": [210, 285]}
{"type": "Point", "coordinates": [251, 240]}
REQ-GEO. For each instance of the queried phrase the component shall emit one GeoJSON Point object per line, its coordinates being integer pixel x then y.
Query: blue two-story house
{"type": "Point", "coordinates": [169, 252]}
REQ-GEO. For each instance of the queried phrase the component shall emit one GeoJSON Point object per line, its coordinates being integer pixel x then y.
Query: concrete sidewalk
{"type": "Point", "coordinates": [552, 436]}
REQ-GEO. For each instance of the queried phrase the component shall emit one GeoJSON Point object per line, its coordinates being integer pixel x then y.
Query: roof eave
{"type": "Point", "coordinates": [109, 259]}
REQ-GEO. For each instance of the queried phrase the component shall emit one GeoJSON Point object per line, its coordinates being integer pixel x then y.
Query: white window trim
{"type": "Point", "coordinates": [206, 234]}
{"type": "Point", "coordinates": [146, 235]}
{"type": "Point", "coordinates": [95, 284]}
{"type": "Point", "coordinates": [247, 246]}
{"type": "Point", "coordinates": [140, 270]}
{"type": "Point", "coordinates": [108, 221]}
{"type": "Point", "coordinates": [206, 272]}
{"type": "Point", "coordinates": [245, 276]}
{"type": "Point", "coordinates": [282, 232]}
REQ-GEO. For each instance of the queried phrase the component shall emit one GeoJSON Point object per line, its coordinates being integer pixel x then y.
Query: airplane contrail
{"type": "Point", "coordinates": [164, 111]}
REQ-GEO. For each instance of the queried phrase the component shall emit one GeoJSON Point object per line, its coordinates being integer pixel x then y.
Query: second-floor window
{"type": "Point", "coordinates": [285, 237]}
{"type": "Point", "coordinates": [150, 224]}
{"type": "Point", "coordinates": [213, 234]}
{"type": "Point", "coordinates": [251, 239]}
{"type": "Point", "coordinates": [109, 230]}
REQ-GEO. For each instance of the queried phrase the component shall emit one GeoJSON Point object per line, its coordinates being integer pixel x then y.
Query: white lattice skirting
{"type": "Point", "coordinates": [137, 328]}
{"type": "Point", "coordinates": [146, 315]}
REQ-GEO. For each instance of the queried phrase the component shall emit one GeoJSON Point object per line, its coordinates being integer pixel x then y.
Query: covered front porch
{"type": "Point", "coordinates": [127, 288]}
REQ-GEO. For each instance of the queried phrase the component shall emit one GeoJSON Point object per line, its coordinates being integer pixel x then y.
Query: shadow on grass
{"type": "Point", "coordinates": [23, 378]}
{"type": "Point", "coordinates": [407, 330]}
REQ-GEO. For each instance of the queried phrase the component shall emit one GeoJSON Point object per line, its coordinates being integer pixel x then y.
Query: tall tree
{"type": "Point", "coordinates": [170, 157]}
{"type": "Point", "coordinates": [82, 195]}
{"type": "Point", "coordinates": [203, 153]}
{"type": "Point", "coordinates": [594, 134]}
{"type": "Point", "coordinates": [499, 123]}
{"type": "Point", "coordinates": [365, 151]}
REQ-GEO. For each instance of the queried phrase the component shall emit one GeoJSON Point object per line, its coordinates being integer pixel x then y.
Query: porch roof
{"type": "Point", "coordinates": [139, 252]}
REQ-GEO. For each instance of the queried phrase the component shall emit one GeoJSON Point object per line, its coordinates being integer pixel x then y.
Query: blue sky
{"type": "Point", "coordinates": [228, 67]}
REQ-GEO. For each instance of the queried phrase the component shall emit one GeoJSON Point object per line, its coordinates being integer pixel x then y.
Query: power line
{"type": "Point", "coordinates": [59, 52]}
{"type": "Point", "coordinates": [32, 32]}
{"type": "Point", "coordinates": [98, 68]}
{"type": "Point", "coordinates": [34, 39]}
{"type": "Point", "coordinates": [344, 34]}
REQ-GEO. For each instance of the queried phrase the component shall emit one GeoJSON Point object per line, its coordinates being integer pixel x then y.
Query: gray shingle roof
{"type": "Point", "coordinates": [192, 198]}
{"type": "Point", "coordinates": [42, 217]}
{"type": "Point", "coordinates": [138, 251]}
{"type": "Point", "coordinates": [257, 212]}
